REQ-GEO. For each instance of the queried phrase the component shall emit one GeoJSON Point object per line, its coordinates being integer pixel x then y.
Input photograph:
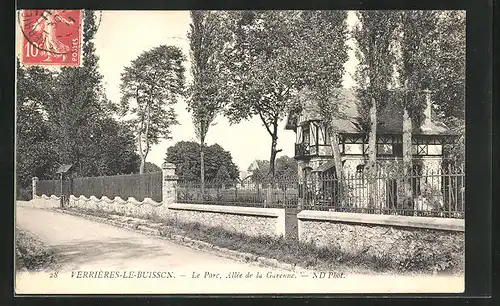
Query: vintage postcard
{"type": "Point", "coordinates": [240, 152]}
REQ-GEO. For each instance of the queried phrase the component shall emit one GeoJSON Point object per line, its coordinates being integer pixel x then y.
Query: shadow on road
{"type": "Point", "coordinates": [113, 250]}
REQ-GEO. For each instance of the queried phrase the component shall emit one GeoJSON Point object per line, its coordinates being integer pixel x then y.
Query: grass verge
{"type": "Point", "coordinates": [291, 251]}
{"type": "Point", "coordinates": [31, 254]}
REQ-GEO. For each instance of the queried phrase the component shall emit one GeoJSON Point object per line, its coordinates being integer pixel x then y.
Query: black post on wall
{"type": "Point", "coordinates": [63, 169]}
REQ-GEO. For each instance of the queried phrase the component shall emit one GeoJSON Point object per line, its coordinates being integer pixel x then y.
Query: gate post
{"type": "Point", "coordinates": [169, 194]}
{"type": "Point", "coordinates": [34, 182]}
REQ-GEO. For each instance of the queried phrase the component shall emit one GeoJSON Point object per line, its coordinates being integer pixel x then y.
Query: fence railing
{"type": "Point", "coordinates": [437, 194]}
{"type": "Point", "coordinates": [138, 186]}
{"type": "Point", "coordinates": [283, 194]}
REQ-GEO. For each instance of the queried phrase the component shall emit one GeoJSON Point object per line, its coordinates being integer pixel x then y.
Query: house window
{"type": "Point", "coordinates": [326, 136]}
{"type": "Point", "coordinates": [384, 149]}
{"type": "Point", "coordinates": [305, 135]}
{"type": "Point", "coordinates": [434, 149]}
{"type": "Point", "coordinates": [314, 133]}
{"type": "Point", "coordinates": [299, 134]}
{"type": "Point", "coordinates": [397, 149]}
{"type": "Point", "coordinates": [353, 148]}
{"type": "Point", "coordinates": [419, 149]}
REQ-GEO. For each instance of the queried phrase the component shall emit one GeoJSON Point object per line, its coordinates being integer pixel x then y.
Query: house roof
{"type": "Point", "coordinates": [348, 120]}
{"type": "Point", "coordinates": [325, 166]}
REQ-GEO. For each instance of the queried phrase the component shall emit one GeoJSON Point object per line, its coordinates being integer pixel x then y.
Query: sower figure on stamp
{"type": "Point", "coordinates": [46, 25]}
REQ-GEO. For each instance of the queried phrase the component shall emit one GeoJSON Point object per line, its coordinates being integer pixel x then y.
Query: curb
{"type": "Point", "coordinates": [191, 243]}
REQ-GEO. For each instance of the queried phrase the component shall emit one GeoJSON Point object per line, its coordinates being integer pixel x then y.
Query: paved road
{"type": "Point", "coordinates": [85, 246]}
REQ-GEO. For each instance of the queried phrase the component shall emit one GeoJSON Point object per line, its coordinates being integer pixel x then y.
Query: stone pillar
{"type": "Point", "coordinates": [34, 182]}
{"type": "Point", "coordinates": [169, 194]}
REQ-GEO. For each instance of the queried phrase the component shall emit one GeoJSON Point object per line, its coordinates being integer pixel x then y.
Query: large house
{"type": "Point", "coordinates": [314, 154]}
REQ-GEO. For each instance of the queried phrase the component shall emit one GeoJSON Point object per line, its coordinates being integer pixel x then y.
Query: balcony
{"type": "Point", "coordinates": [302, 150]}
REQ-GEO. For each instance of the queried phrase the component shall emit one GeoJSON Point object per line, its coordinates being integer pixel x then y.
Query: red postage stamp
{"type": "Point", "coordinates": [51, 37]}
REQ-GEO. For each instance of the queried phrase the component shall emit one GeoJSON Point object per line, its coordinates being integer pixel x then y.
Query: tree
{"type": "Point", "coordinates": [112, 148]}
{"type": "Point", "coordinates": [154, 81]}
{"type": "Point", "coordinates": [206, 38]}
{"type": "Point", "coordinates": [184, 155]}
{"type": "Point", "coordinates": [417, 33]}
{"type": "Point", "coordinates": [260, 171]}
{"type": "Point", "coordinates": [447, 76]}
{"type": "Point", "coordinates": [321, 52]}
{"type": "Point", "coordinates": [150, 167]}
{"type": "Point", "coordinates": [77, 100]}
{"type": "Point", "coordinates": [374, 35]}
{"type": "Point", "coordinates": [35, 150]}
{"type": "Point", "coordinates": [259, 66]}
{"type": "Point", "coordinates": [286, 168]}
{"type": "Point", "coordinates": [64, 117]}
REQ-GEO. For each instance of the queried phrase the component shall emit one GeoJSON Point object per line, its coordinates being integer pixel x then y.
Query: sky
{"type": "Point", "coordinates": [123, 35]}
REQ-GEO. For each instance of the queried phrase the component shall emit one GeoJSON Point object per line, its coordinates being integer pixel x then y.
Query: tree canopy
{"type": "Point", "coordinates": [273, 55]}
{"type": "Point", "coordinates": [207, 39]}
{"type": "Point", "coordinates": [286, 168]}
{"type": "Point", "coordinates": [185, 156]}
{"type": "Point", "coordinates": [153, 82]}
{"type": "Point", "coordinates": [63, 116]}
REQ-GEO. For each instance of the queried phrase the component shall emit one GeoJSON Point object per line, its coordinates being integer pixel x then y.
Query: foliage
{"type": "Point", "coordinates": [154, 82]}
{"type": "Point", "coordinates": [447, 79]}
{"type": "Point", "coordinates": [112, 149]}
{"type": "Point", "coordinates": [273, 55]}
{"type": "Point", "coordinates": [259, 68]}
{"type": "Point", "coordinates": [219, 163]}
{"type": "Point", "coordinates": [64, 117]}
{"type": "Point", "coordinates": [321, 51]}
{"type": "Point", "coordinates": [205, 101]}
{"type": "Point", "coordinates": [417, 36]}
{"type": "Point", "coordinates": [31, 254]}
{"type": "Point", "coordinates": [286, 167]}
{"type": "Point", "coordinates": [150, 167]}
{"type": "Point", "coordinates": [207, 41]}
{"type": "Point", "coordinates": [374, 35]}
{"type": "Point", "coordinates": [35, 152]}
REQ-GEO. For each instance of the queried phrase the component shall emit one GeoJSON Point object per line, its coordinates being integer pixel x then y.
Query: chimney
{"type": "Point", "coordinates": [428, 105]}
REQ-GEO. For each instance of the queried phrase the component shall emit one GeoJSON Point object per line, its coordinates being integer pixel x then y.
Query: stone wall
{"type": "Point", "coordinates": [403, 239]}
{"type": "Point", "coordinates": [247, 220]}
{"type": "Point", "coordinates": [42, 201]}
{"type": "Point", "coordinates": [130, 207]}
{"type": "Point", "coordinates": [251, 221]}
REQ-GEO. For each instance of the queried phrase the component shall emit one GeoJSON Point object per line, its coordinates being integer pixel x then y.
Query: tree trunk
{"type": "Point", "coordinates": [146, 138]}
{"type": "Point", "coordinates": [339, 170]}
{"type": "Point", "coordinates": [272, 162]}
{"type": "Point", "coordinates": [337, 159]}
{"type": "Point", "coordinates": [141, 167]}
{"type": "Point", "coordinates": [274, 152]}
{"type": "Point", "coordinates": [202, 169]}
{"type": "Point", "coordinates": [407, 160]}
{"type": "Point", "coordinates": [372, 156]}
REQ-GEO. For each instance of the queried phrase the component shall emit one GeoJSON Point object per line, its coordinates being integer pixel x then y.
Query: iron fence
{"type": "Point", "coordinates": [281, 193]}
{"type": "Point", "coordinates": [435, 193]}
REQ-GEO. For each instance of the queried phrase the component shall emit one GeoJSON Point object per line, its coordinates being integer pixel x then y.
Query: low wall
{"type": "Point", "coordinates": [130, 207]}
{"type": "Point", "coordinates": [42, 201]}
{"type": "Point", "coordinates": [251, 221]}
{"type": "Point", "coordinates": [403, 239]}
{"type": "Point", "coordinates": [247, 220]}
